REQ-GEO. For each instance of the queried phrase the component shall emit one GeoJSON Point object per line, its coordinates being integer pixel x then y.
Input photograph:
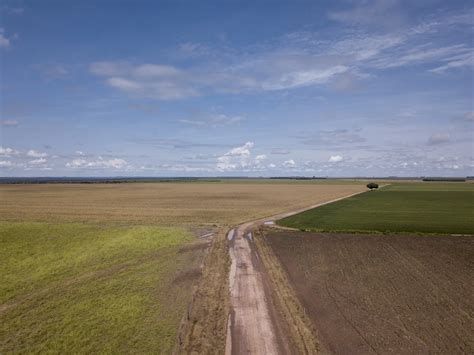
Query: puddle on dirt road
{"type": "Point", "coordinates": [230, 236]}
{"type": "Point", "coordinates": [206, 235]}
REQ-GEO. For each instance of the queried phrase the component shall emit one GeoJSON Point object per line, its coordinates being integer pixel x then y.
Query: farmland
{"type": "Point", "coordinates": [112, 268]}
{"type": "Point", "coordinates": [376, 293]}
{"type": "Point", "coordinates": [164, 204]}
{"type": "Point", "coordinates": [400, 207]}
{"type": "Point", "coordinates": [81, 288]}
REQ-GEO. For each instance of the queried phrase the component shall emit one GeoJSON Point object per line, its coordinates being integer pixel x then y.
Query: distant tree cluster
{"type": "Point", "coordinates": [372, 186]}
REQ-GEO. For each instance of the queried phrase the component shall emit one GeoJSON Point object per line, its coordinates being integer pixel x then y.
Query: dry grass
{"type": "Point", "coordinates": [168, 204]}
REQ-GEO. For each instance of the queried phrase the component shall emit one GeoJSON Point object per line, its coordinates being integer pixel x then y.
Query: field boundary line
{"type": "Point", "coordinates": [249, 320]}
{"type": "Point", "coordinates": [203, 328]}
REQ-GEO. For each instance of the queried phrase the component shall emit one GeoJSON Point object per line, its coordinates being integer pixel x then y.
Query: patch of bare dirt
{"type": "Point", "coordinates": [383, 293]}
{"type": "Point", "coordinates": [204, 327]}
{"type": "Point", "coordinates": [188, 275]}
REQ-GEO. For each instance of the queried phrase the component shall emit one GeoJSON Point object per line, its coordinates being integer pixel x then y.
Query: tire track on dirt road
{"type": "Point", "coordinates": [252, 324]}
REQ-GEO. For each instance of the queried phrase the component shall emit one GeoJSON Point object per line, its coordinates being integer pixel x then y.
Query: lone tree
{"type": "Point", "coordinates": [372, 186]}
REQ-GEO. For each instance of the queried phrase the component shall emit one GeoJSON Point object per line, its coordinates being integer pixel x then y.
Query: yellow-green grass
{"type": "Point", "coordinates": [76, 288]}
{"type": "Point", "coordinates": [442, 208]}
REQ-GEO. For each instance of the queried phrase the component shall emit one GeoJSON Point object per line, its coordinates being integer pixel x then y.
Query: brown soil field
{"type": "Point", "coordinates": [404, 294]}
{"type": "Point", "coordinates": [171, 204]}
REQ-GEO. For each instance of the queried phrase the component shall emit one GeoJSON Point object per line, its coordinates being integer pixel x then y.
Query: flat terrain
{"type": "Point", "coordinates": [263, 318]}
{"type": "Point", "coordinates": [382, 293]}
{"type": "Point", "coordinates": [76, 288]}
{"type": "Point", "coordinates": [111, 268]}
{"type": "Point", "coordinates": [400, 207]}
{"type": "Point", "coordinates": [172, 204]}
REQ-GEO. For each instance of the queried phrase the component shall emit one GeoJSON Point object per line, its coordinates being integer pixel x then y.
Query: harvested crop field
{"type": "Point", "coordinates": [382, 293]}
{"type": "Point", "coordinates": [171, 204]}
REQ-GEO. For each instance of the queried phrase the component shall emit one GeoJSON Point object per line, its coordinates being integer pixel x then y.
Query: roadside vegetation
{"type": "Point", "coordinates": [404, 207]}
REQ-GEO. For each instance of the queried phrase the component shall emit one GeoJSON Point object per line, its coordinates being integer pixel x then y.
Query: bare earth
{"type": "Point", "coordinates": [253, 325]}
{"type": "Point", "coordinates": [378, 294]}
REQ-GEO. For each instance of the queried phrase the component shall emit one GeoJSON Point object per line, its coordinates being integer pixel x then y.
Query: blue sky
{"type": "Point", "coordinates": [257, 88]}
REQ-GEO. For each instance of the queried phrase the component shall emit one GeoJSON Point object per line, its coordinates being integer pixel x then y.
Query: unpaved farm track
{"type": "Point", "coordinates": [252, 326]}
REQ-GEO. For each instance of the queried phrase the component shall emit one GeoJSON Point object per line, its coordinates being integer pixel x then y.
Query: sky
{"type": "Point", "coordinates": [237, 88]}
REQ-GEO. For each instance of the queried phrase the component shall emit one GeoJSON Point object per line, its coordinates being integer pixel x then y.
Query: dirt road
{"type": "Point", "coordinates": [253, 326]}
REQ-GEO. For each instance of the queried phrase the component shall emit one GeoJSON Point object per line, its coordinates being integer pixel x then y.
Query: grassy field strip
{"type": "Point", "coordinates": [125, 286]}
{"type": "Point", "coordinates": [418, 208]}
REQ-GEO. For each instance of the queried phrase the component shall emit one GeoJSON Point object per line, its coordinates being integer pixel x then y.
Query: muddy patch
{"type": "Point", "coordinates": [188, 275]}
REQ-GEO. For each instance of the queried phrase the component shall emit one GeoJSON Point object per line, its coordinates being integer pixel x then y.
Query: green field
{"type": "Point", "coordinates": [127, 287]}
{"type": "Point", "coordinates": [399, 207]}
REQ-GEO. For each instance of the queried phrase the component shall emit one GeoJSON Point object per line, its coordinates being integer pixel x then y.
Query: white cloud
{"type": "Point", "coordinates": [195, 49]}
{"type": "Point", "coordinates": [6, 164]}
{"type": "Point", "coordinates": [153, 70]}
{"type": "Point", "coordinates": [362, 50]}
{"type": "Point", "coordinates": [300, 59]}
{"type": "Point", "coordinates": [459, 61]}
{"type": "Point", "coordinates": [155, 81]}
{"type": "Point", "coordinates": [335, 137]}
{"type": "Point", "coordinates": [260, 157]}
{"type": "Point", "coordinates": [236, 158]}
{"type": "Point", "coordinates": [335, 159]}
{"type": "Point", "coordinates": [39, 161]}
{"type": "Point", "coordinates": [303, 78]}
{"type": "Point", "coordinates": [267, 72]}
{"type": "Point", "coordinates": [8, 152]}
{"type": "Point", "coordinates": [9, 123]}
{"type": "Point", "coordinates": [454, 56]}
{"type": "Point", "coordinates": [219, 120]}
{"type": "Point", "coordinates": [76, 163]}
{"type": "Point", "coordinates": [124, 84]}
{"type": "Point", "coordinates": [289, 163]}
{"type": "Point", "coordinates": [469, 116]}
{"type": "Point", "coordinates": [4, 41]}
{"type": "Point", "coordinates": [242, 150]}
{"type": "Point", "coordinates": [369, 12]}
{"type": "Point", "coordinates": [35, 154]}
{"type": "Point", "coordinates": [109, 68]}
{"type": "Point", "coordinates": [80, 153]}
{"type": "Point", "coordinates": [99, 163]}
